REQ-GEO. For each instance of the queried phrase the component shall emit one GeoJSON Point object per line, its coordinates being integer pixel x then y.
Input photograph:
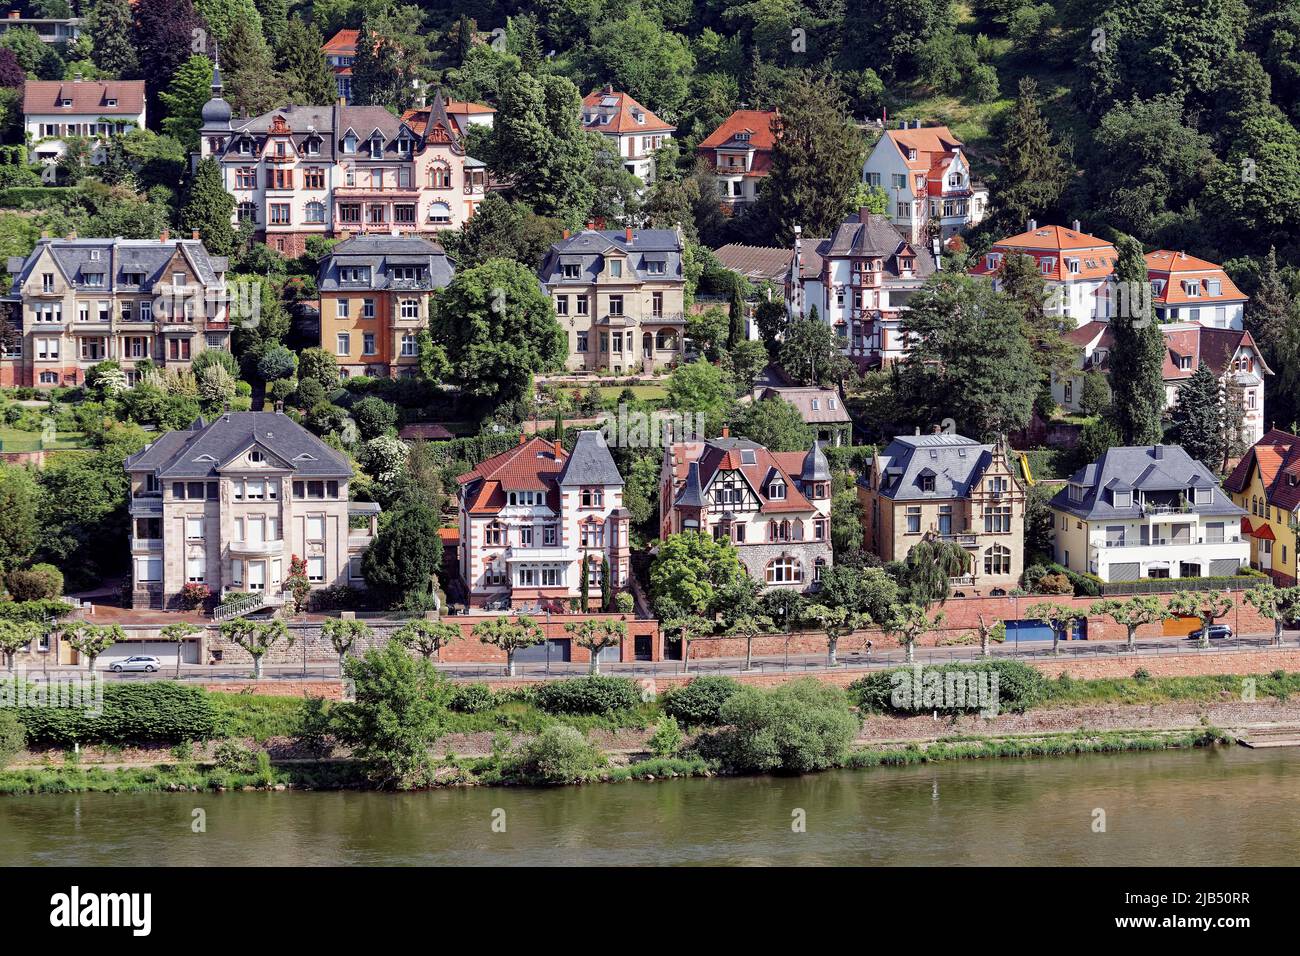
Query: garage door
{"type": "Point", "coordinates": [1029, 630]}
{"type": "Point", "coordinates": [559, 650]}
{"type": "Point", "coordinates": [610, 655]}
{"type": "Point", "coordinates": [1125, 571]}
{"type": "Point", "coordinates": [1180, 626]}
{"type": "Point", "coordinates": [165, 651]}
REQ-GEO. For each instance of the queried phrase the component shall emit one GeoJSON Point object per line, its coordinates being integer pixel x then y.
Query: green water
{"type": "Point", "coordinates": [1227, 806]}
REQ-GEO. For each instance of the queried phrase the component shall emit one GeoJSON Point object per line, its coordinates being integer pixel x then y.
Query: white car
{"type": "Point", "coordinates": [139, 663]}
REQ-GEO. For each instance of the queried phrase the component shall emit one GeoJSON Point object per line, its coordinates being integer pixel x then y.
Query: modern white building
{"type": "Point", "coordinates": [925, 173]}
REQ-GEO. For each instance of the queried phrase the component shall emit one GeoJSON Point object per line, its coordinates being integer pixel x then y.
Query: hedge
{"type": "Point", "coordinates": [856, 458]}
{"type": "Point", "coordinates": [699, 703]}
{"type": "Point", "coordinates": [596, 694]}
{"type": "Point", "coordinates": [160, 711]}
{"type": "Point", "coordinates": [1246, 578]}
{"type": "Point", "coordinates": [39, 197]}
{"type": "Point", "coordinates": [1019, 686]}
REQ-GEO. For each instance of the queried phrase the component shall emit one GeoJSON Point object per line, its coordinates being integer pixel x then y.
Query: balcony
{"type": "Point", "coordinates": [551, 554]}
{"type": "Point", "coordinates": [1166, 542]}
{"type": "Point", "coordinates": [257, 548]}
{"type": "Point", "coordinates": [964, 540]}
{"type": "Point", "coordinates": [146, 544]}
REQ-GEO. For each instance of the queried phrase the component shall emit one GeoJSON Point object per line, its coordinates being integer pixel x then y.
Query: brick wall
{"type": "Point", "coordinates": [328, 689]}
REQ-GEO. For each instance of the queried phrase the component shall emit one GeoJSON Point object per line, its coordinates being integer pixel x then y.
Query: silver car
{"type": "Point", "coordinates": [139, 663]}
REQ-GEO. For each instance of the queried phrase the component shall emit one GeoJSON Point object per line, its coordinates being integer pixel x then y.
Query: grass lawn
{"type": "Point", "coordinates": [13, 439]}
{"type": "Point", "coordinates": [642, 392]}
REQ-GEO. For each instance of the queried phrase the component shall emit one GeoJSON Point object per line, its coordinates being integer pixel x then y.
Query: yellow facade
{"type": "Point", "coordinates": [1279, 554]}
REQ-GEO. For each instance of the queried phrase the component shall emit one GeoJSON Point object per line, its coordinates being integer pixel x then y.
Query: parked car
{"type": "Point", "coordinates": [1218, 632]}
{"type": "Point", "coordinates": [138, 663]}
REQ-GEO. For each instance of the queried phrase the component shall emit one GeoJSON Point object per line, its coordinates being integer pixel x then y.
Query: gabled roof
{"type": "Point", "coordinates": [203, 449]}
{"type": "Point", "coordinates": [756, 465]}
{"type": "Point", "coordinates": [606, 111]}
{"type": "Point", "coordinates": [1147, 468]}
{"type": "Point", "coordinates": [955, 462]}
{"type": "Point", "coordinates": [89, 97]}
{"type": "Point", "coordinates": [1276, 457]}
{"type": "Point", "coordinates": [930, 142]}
{"type": "Point", "coordinates": [590, 463]}
{"type": "Point", "coordinates": [343, 42]}
{"type": "Point", "coordinates": [803, 397]}
{"type": "Point", "coordinates": [757, 123]}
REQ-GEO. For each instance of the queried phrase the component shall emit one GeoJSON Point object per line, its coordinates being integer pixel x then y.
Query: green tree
{"type": "Point", "coordinates": [20, 531]}
{"type": "Point", "coordinates": [775, 424]}
{"type": "Point", "coordinates": [178, 634]}
{"type": "Point", "coordinates": [836, 623]}
{"type": "Point", "coordinates": [1138, 354]}
{"type": "Point", "coordinates": [687, 627]}
{"type": "Point", "coordinates": [816, 161]}
{"type": "Point", "coordinates": [254, 84]}
{"type": "Point", "coordinates": [428, 638]}
{"type": "Point", "coordinates": [639, 56]}
{"type": "Point", "coordinates": [344, 635]}
{"type": "Point", "coordinates": [14, 636]}
{"type": "Point", "coordinates": [810, 354]}
{"type": "Point", "coordinates": [500, 229]}
{"type": "Point", "coordinates": [398, 713]}
{"type": "Point", "coordinates": [748, 627]}
{"type": "Point", "coordinates": [390, 47]}
{"type": "Point", "coordinates": [1094, 395]}
{"type": "Point", "coordinates": [405, 554]}
{"type": "Point", "coordinates": [318, 364]}
{"type": "Point", "coordinates": [1132, 613]}
{"type": "Point", "coordinates": [307, 77]}
{"type": "Point", "coordinates": [509, 636]}
{"type": "Point", "coordinates": [1279, 605]}
{"type": "Point", "coordinates": [1021, 279]}
{"type": "Point", "coordinates": [111, 23]}
{"type": "Point", "coordinates": [91, 640]}
{"type": "Point", "coordinates": [596, 635]}
{"type": "Point", "coordinates": [1035, 168]}
{"type": "Point", "coordinates": [257, 638]}
{"type": "Point", "coordinates": [183, 101]}
{"type": "Point", "coordinates": [1209, 606]}
{"type": "Point", "coordinates": [703, 389]}
{"type": "Point", "coordinates": [908, 624]}
{"type": "Point", "coordinates": [224, 17]}
{"type": "Point", "coordinates": [690, 570]}
{"type": "Point", "coordinates": [1197, 419]}
{"type": "Point", "coordinates": [930, 566]}
{"type": "Point", "coordinates": [1060, 617]}
{"type": "Point", "coordinates": [209, 209]}
{"type": "Point", "coordinates": [492, 328]}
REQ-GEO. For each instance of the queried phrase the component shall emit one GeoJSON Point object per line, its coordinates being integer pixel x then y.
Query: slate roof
{"type": "Point", "coordinates": [867, 235]}
{"type": "Point", "coordinates": [381, 254]}
{"type": "Point", "coordinates": [1277, 457]}
{"type": "Point", "coordinates": [202, 450]}
{"type": "Point", "coordinates": [802, 398]}
{"type": "Point", "coordinates": [1148, 468]}
{"type": "Point", "coordinates": [589, 248]}
{"type": "Point", "coordinates": [590, 463]}
{"type": "Point", "coordinates": [117, 258]}
{"type": "Point", "coordinates": [89, 97]}
{"type": "Point", "coordinates": [955, 462]}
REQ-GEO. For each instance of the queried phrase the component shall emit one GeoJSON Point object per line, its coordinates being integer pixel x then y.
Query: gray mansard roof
{"type": "Point", "coordinates": [1141, 470]}
{"type": "Point", "coordinates": [201, 450]}
{"type": "Point", "coordinates": [955, 463]}
{"type": "Point", "coordinates": [116, 259]}
{"type": "Point", "coordinates": [589, 247]}
{"type": "Point", "coordinates": [381, 254]}
{"type": "Point", "coordinates": [590, 463]}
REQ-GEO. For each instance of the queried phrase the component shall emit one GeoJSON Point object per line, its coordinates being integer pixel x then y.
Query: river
{"type": "Point", "coordinates": [1211, 807]}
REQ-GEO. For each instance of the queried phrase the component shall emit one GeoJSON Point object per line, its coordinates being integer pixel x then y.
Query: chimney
{"type": "Point", "coordinates": [1031, 225]}
{"type": "Point", "coordinates": [627, 234]}
{"type": "Point", "coordinates": [726, 431]}
{"type": "Point", "coordinates": [1075, 226]}
{"type": "Point", "coordinates": [935, 430]}
{"type": "Point", "coordinates": [590, 224]}
{"type": "Point", "coordinates": [194, 234]}
{"type": "Point", "coordinates": [864, 214]}
{"type": "Point", "coordinates": [609, 87]}
{"type": "Point", "coordinates": [902, 124]}
{"type": "Point", "coordinates": [558, 449]}
{"type": "Point", "coordinates": [566, 234]}
{"type": "Point", "coordinates": [15, 15]}
{"type": "Point", "coordinates": [78, 77]}
{"type": "Point", "coordinates": [72, 234]}
{"type": "Point", "coordinates": [522, 438]}
{"type": "Point", "coordinates": [164, 235]}
{"type": "Point", "coordinates": [1158, 452]}
{"type": "Point", "coordinates": [279, 408]}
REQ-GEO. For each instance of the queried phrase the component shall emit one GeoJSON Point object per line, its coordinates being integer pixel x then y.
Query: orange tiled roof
{"type": "Point", "coordinates": [758, 123]}
{"type": "Point", "coordinates": [1276, 457]}
{"type": "Point", "coordinates": [1057, 243]}
{"type": "Point", "coordinates": [1175, 268]}
{"type": "Point", "coordinates": [930, 143]}
{"type": "Point", "coordinates": [623, 120]}
{"type": "Point", "coordinates": [343, 42]}
{"type": "Point", "coordinates": [717, 457]}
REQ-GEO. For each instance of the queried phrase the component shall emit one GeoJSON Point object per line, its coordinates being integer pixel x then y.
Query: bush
{"type": "Point", "coordinates": [40, 582]}
{"type": "Point", "coordinates": [194, 595]}
{"type": "Point", "coordinates": [12, 737]}
{"type": "Point", "coordinates": [699, 703]}
{"type": "Point", "coordinates": [596, 694]}
{"type": "Point", "coordinates": [667, 738]}
{"type": "Point", "coordinates": [796, 728]}
{"type": "Point", "coordinates": [1141, 675]}
{"type": "Point", "coordinates": [234, 757]}
{"type": "Point", "coordinates": [473, 698]}
{"type": "Point", "coordinates": [559, 754]}
{"type": "Point", "coordinates": [624, 603]}
{"type": "Point", "coordinates": [1019, 686]}
{"type": "Point", "coordinates": [315, 734]}
{"type": "Point", "coordinates": [160, 711]}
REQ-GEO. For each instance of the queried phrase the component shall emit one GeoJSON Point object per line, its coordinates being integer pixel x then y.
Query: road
{"type": "Point", "coordinates": [762, 664]}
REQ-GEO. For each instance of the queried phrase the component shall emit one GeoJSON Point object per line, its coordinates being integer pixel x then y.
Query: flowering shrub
{"type": "Point", "coordinates": [194, 596]}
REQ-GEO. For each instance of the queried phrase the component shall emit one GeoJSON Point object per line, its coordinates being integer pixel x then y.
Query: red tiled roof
{"type": "Point", "coordinates": [1175, 268]}
{"type": "Point", "coordinates": [1097, 256]}
{"type": "Point", "coordinates": [1277, 458]}
{"type": "Point", "coordinates": [89, 97]}
{"type": "Point", "coordinates": [343, 42]}
{"type": "Point", "coordinates": [623, 120]}
{"type": "Point", "coordinates": [713, 459]}
{"type": "Point", "coordinates": [930, 142]}
{"type": "Point", "coordinates": [428, 431]}
{"type": "Point", "coordinates": [758, 123]}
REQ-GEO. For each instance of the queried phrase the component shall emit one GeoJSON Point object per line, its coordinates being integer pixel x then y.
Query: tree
{"type": "Point", "coordinates": [810, 353]}
{"type": "Point", "coordinates": [1279, 605]}
{"type": "Point", "coordinates": [307, 77]}
{"type": "Point", "coordinates": [836, 623]}
{"type": "Point", "coordinates": [750, 626]}
{"type": "Point", "coordinates": [209, 209]}
{"type": "Point", "coordinates": [182, 101]}
{"type": "Point", "coordinates": [15, 634]}
{"type": "Point", "coordinates": [636, 54]}
{"type": "Point", "coordinates": [606, 593]}
{"type": "Point", "coordinates": [397, 714]}
{"type": "Point", "coordinates": [492, 329]}
{"type": "Point", "coordinates": [1197, 419]}
{"type": "Point", "coordinates": [500, 229]}
{"type": "Point", "coordinates": [691, 569]}
{"type": "Point", "coordinates": [1021, 279]}
{"type": "Point", "coordinates": [930, 566]}
{"type": "Point", "coordinates": [771, 318]}
{"type": "Point", "coordinates": [20, 531]}
{"type": "Point", "coordinates": [538, 141]}
{"type": "Point", "coordinates": [972, 359]}
{"type": "Point", "coordinates": [427, 637]}
{"type": "Point", "coordinates": [374, 416]}
{"type": "Point", "coordinates": [1132, 614]}
{"type": "Point", "coordinates": [1209, 606]}
{"type": "Point", "coordinates": [91, 640]}
{"type": "Point", "coordinates": [318, 364]}
{"type": "Point", "coordinates": [165, 33]}
{"type": "Point", "coordinates": [1060, 617]}
{"type": "Point", "coordinates": [687, 626]}
{"type": "Point", "coordinates": [224, 17]}
{"type": "Point", "coordinates": [596, 635]}
{"type": "Point", "coordinates": [178, 634]}
{"type": "Point", "coordinates": [816, 160]}
{"type": "Point", "coordinates": [908, 623]}
{"type": "Point", "coordinates": [1094, 395]}
{"type": "Point", "coordinates": [775, 424]}
{"type": "Point", "coordinates": [257, 638]}
{"type": "Point", "coordinates": [344, 635]}
{"type": "Point", "coordinates": [990, 631]}
{"type": "Point", "coordinates": [1035, 169]}
{"type": "Point", "coordinates": [1138, 354]}
{"type": "Point", "coordinates": [111, 23]}
{"type": "Point", "coordinates": [254, 85]}
{"type": "Point", "coordinates": [509, 636]}
{"type": "Point", "coordinates": [12, 75]}
{"type": "Point", "coordinates": [405, 554]}
{"type": "Point", "coordinates": [390, 46]}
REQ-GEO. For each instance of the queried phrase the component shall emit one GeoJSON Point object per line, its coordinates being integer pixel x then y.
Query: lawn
{"type": "Point", "coordinates": [640, 392]}
{"type": "Point", "coordinates": [13, 439]}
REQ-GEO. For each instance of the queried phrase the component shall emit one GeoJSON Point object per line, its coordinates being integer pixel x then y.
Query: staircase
{"type": "Point", "coordinates": [245, 604]}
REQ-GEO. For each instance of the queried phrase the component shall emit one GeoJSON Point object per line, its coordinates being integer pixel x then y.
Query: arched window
{"type": "Point", "coordinates": [593, 533]}
{"type": "Point", "coordinates": [440, 213]}
{"type": "Point", "coordinates": [315, 212]}
{"type": "Point", "coordinates": [439, 176]}
{"type": "Point", "coordinates": [997, 560]}
{"type": "Point", "coordinates": [784, 570]}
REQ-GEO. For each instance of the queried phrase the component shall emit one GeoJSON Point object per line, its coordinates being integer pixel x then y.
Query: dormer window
{"type": "Point", "coordinates": [66, 104]}
{"type": "Point", "coordinates": [747, 457]}
{"type": "Point", "coordinates": [1202, 496]}
{"type": "Point", "coordinates": [911, 154]}
{"type": "Point", "coordinates": [350, 143]}
{"type": "Point", "coordinates": [616, 268]}
{"type": "Point", "coordinates": [110, 103]}
{"type": "Point", "coordinates": [1213, 287]}
{"type": "Point", "coordinates": [1184, 362]}
{"type": "Point", "coordinates": [1072, 266]}
{"type": "Point", "coordinates": [376, 147]}
{"type": "Point", "coordinates": [572, 270]}
{"type": "Point", "coordinates": [1157, 286]}
{"type": "Point", "coordinates": [1076, 492]}
{"type": "Point", "coordinates": [776, 490]}
{"type": "Point", "coordinates": [312, 146]}
{"type": "Point", "coordinates": [245, 147]}
{"type": "Point", "coordinates": [927, 483]}
{"type": "Point", "coordinates": [993, 260]}
{"type": "Point", "coordinates": [1121, 499]}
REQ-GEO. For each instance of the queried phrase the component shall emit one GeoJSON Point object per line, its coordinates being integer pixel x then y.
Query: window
{"type": "Point", "coordinates": [571, 270]}
{"type": "Point", "coordinates": [280, 214]}
{"type": "Point", "coordinates": [997, 519]}
{"type": "Point", "coordinates": [593, 534]}
{"type": "Point", "coordinates": [368, 344]}
{"type": "Point", "coordinates": [784, 570]}
{"type": "Point", "coordinates": [178, 350]}
{"type": "Point", "coordinates": [583, 304]}
{"type": "Point", "coordinates": [315, 212]}
{"type": "Point", "coordinates": [616, 268]}
{"type": "Point", "coordinates": [582, 342]}
{"type": "Point", "coordinates": [410, 345]}
{"type": "Point", "coordinates": [549, 536]}
{"type": "Point", "coordinates": [526, 536]}
{"type": "Point", "coordinates": [343, 345]}
{"type": "Point", "coordinates": [316, 568]}
{"type": "Point", "coordinates": [342, 308]}
{"type": "Point", "coordinates": [914, 519]}
{"type": "Point", "coordinates": [439, 176]}
{"type": "Point", "coordinates": [592, 497]}
{"type": "Point", "coordinates": [194, 525]}
{"type": "Point", "coordinates": [615, 305]}
{"type": "Point", "coordinates": [148, 570]}
{"type": "Point", "coordinates": [776, 490]}
{"type": "Point", "coordinates": [927, 483]}
{"type": "Point", "coordinates": [195, 569]}
{"type": "Point", "coordinates": [367, 308]}
{"type": "Point", "coordinates": [561, 305]}
{"type": "Point", "coordinates": [494, 534]}
{"type": "Point", "coordinates": [315, 527]}
{"type": "Point", "coordinates": [313, 178]}
{"type": "Point", "coordinates": [440, 213]}
{"type": "Point", "coordinates": [997, 560]}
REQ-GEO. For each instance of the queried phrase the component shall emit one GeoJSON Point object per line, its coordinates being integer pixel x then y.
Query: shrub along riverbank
{"type": "Point", "coordinates": [713, 725]}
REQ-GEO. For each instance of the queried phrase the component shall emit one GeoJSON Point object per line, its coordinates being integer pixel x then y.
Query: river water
{"type": "Point", "coordinates": [1209, 807]}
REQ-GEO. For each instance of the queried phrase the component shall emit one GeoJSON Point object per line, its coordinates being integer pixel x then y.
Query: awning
{"type": "Point", "coordinates": [1264, 533]}
{"type": "Point", "coordinates": [1245, 526]}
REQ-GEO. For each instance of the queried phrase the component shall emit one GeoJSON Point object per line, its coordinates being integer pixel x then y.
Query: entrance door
{"type": "Point", "coordinates": [643, 647]}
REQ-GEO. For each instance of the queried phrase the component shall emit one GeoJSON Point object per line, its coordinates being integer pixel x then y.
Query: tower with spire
{"type": "Point", "coordinates": [216, 114]}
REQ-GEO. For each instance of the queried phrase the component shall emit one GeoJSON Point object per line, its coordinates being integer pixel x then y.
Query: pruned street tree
{"type": "Point", "coordinates": [257, 638]}
{"type": "Point", "coordinates": [91, 640]}
{"type": "Point", "coordinates": [1133, 613]}
{"type": "Point", "coordinates": [510, 636]}
{"type": "Point", "coordinates": [178, 634]}
{"type": "Point", "coordinates": [344, 635]}
{"type": "Point", "coordinates": [596, 635]}
{"type": "Point", "coordinates": [908, 624]}
{"type": "Point", "coordinates": [427, 638]}
{"type": "Point", "coordinates": [1279, 605]}
{"type": "Point", "coordinates": [1209, 606]}
{"type": "Point", "coordinates": [1060, 617]}
{"type": "Point", "coordinates": [750, 626]}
